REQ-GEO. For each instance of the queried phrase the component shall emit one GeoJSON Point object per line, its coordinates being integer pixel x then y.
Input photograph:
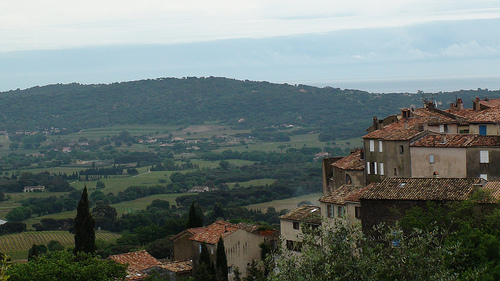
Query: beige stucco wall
{"type": "Point", "coordinates": [241, 248]}
{"type": "Point", "coordinates": [448, 162]}
{"type": "Point", "coordinates": [183, 247]}
{"type": "Point", "coordinates": [491, 129]}
{"type": "Point", "coordinates": [350, 212]}
{"type": "Point", "coordinates": [287, 231]}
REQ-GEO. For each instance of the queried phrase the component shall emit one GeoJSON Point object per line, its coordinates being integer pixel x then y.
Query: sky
{"type": "Point", "coordinates": [378, 46]}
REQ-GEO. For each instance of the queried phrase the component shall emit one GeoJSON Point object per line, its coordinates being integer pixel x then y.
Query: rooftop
{"type": "Point", "coordinates": [343, 194]}
{"type": "Point", "coordinates": [178, 266]}
{"type": "Point", "coordinates": [352, 161]}
{"type": "Point", "coordinates": [213, 232]}
{"type": "Point", "coordinates": [304, 213]}
{"type": "Point", "coordinates": [457, 141]}
{"type": "Point", "coordinates": [448, 189]}
{"type": "Point", "coordinates": [403, 129]}
{"type": "Point", "coordinates": [137, 262]}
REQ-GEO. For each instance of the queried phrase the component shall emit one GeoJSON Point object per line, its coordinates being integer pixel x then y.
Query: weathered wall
{"type": "Point", "coordinates": [449, 162]}
{"type": "Point", "coordinates": [475, 168]}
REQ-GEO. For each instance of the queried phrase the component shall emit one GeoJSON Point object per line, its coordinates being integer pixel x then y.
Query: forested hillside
{"type": "Point", "coordinates": [241, 104]}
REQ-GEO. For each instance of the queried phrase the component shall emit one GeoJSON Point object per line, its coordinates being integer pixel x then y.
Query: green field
{"type": "Point", "coordinates": [17, 245]}
{"type": "Point", "coordinates": [258, 182]}
{"type": "Point", "coordinates": [289, 204]}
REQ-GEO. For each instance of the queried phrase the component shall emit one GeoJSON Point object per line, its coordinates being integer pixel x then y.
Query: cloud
{"type": "Point", "coordinates": [53, 24]}
{"type": "Point", "coordinates": [470, 49]}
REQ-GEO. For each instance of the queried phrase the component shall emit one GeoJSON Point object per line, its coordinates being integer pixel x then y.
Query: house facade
{"type": "Point", "coordinates": [291, 225]}
{"type": "Point", "coordinates": [241, 245]}
{"type": "Point", "coordinates": [389, 200]}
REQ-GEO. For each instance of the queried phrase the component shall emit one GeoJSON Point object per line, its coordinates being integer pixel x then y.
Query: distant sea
{"type": "Point", "coordinates": [412, 85]}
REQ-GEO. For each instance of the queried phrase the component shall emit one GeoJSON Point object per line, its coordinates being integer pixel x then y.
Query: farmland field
{"type": "Point", "coordinates": [289, 204]}
{"type": "Point", "coordinates": [17, 245]}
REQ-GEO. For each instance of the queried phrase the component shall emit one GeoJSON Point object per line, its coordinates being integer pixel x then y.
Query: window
{"type": "Point", "coordinates": [229, 270]}
{"type": "Point", "coordinates": [368, 168]}
{"type": "Point", "coordinates": [431, 159]}
{"type": "Point", "coordinates": [199, 248]}
{"type": "Point", "coordinates": [212, 250]}
{"type": "Point", "coordinates": [484, 157]}
{"type": "Point", "coordinates": [482, 130]}
{"type": "Point", "coordinates": [296, 225]}
{"type": "Point", "coordinates": [395, 172]}
{"type": "Point", "coordinates": [293, 245]}
{"type": "Point", "coordinates": [372, 145]}
{"type": "Point", "coordinates": [401, 149]}
{"type": "Point", "coordinates": [348, 179]}
{"type": "Point", "coordinates": [375, 168]}
{"type": "Point", "coordinates": [357, 212]}
{"type": "Point", "coordinates": [380, 149]}
{"type": "Point", "coordinates": [340, 211]}
{"type": "Point", "coordinates": [329, 211]}
{"type": "Point", "coordinates": [443, 128]}
{"type": "Point", "coordinates": [381, 169]}
{"type": "Point", "coordinates": [484, 176]}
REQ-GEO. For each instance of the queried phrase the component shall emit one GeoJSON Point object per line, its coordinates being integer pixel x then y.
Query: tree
{"type": "Point", "coordinates": [195, 216]}
{"type": "Point", "coordinates": [221, 261]}
{"type": "Point", "coordinates": [205, 270]}
{"type": "Point", "coordinates": [84, 226]}
{"type": "Point", "coordinates": [36, 251]}
{"type": "Point", "coordinates": [218, 210]}
{"type": "Point", "coordinates": [63, 265]}
{"type": "Point", "coordinates": [346, 253]}
{"type": "Point", "coordinates": [4, 266]}
{"type": "Point", "coordinates": [254, 273]}
{"type": "Point", "coordinates": [2, 197]}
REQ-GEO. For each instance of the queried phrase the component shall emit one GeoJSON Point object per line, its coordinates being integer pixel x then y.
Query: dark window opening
{"type": "Point", "coordinates": [296, 225]}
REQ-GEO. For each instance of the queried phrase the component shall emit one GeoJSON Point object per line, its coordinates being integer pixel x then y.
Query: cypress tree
{"type": "Point", "coordinates": [195, 216]}
{"type": "Point", "coordinates": [205, 270]}
{"type": "Point", "coordinates": [84, 226]}
{"type": "Point", "coordinates": [221, 261]}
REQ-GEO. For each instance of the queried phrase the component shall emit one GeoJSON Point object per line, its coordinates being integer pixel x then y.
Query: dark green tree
{"type": "Point", "coordinates": [205, 270]}
{"type": "Point", "coordinates": [218, 210]}
{"type": "Point", "coordinates": [84, 226]}
{"type": "Point", "coordinates": [36, 250]}
{"type": "Point", "coordinates": [195, 216]}
{"type": "Point", "coordinates": [221, 261]}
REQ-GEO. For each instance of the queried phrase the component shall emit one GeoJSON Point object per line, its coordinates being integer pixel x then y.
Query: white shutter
{"type": "Point", "coordinates": [381, 169]}
{"type": "Point", "coordinates": [372, 145]}
{"type": "Point", "coordinates": [484, 157]}
{"type": "Point", "coordinates": [367, 168]}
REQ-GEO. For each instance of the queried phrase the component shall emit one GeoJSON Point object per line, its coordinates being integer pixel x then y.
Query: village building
{"type": "Point", "coordinates": [241, 244]}
{"type": "Point", "coordinates": [338, 171]}
{"type": "Point", "coordinates": [342, 203]}
{"type": "Point", "coordinates": [37, 188]}
{"type": "Point", "coordinates": [292, 222]}
{"type": "Point", "coordinates": [388, 201]}
{"type": "Point", "coordinates": [456, 156]}
{"type": "Point", "coordinates": [197, 189]}
{"type": "Point", "coordinates": [140, 263]}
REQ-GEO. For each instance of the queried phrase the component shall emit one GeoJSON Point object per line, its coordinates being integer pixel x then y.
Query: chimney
{"type": "Point", "coordinates": [460, 104]}
{"type": "Point", "coordinates": [475, 104]}
{"type": "Point", "coordinates": [375, 122]}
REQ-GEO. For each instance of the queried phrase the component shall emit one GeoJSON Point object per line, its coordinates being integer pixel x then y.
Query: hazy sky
{"type": "Point", "coordinates": [337, 43]}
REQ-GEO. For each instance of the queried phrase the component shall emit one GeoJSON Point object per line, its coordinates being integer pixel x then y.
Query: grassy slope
{"type": "Point", "coordinates": [17, 245]}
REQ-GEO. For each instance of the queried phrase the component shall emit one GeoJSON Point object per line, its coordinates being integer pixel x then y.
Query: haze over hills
{"type": "Point", "coordinates": [187, 101]}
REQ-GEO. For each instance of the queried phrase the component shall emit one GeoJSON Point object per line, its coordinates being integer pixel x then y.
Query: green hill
{"type": "Point", "coordinates": [189, 101]}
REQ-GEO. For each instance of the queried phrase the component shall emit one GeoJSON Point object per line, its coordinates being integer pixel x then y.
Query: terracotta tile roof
{"type": "Point", "coordinates": [304, 213]}
{"type": "Point", "coordinates": [434, 115]}
{"type": "Point", "coordinates": [457, 141]}
{"type": "Point", "coordinates": [490, 115]}
{"type": "Point", "coordinates": [448, 189]}
{"type": "Point", "coordinates": [192, 231]}
{"type": "Point", "coordinates": [403, 129]}
{"type": "Point", "coordinates": [178, 266]}
{"type": "Point", "coordinates": [351, 162]}
{"type": "Point", "coordinates": [213, 232]}
{"type": "Point", "coordinates": [137, 262]}
{"type": "Point", "coordinates": [494, 188]}
{"type": "Point", "coordinates": [341, 194]}
{"type": "Point", "coordinates": [490, 102]}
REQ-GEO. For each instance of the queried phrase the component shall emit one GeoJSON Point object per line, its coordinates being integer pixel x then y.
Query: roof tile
{"type": "Point", "coordinates": [304, 213]}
